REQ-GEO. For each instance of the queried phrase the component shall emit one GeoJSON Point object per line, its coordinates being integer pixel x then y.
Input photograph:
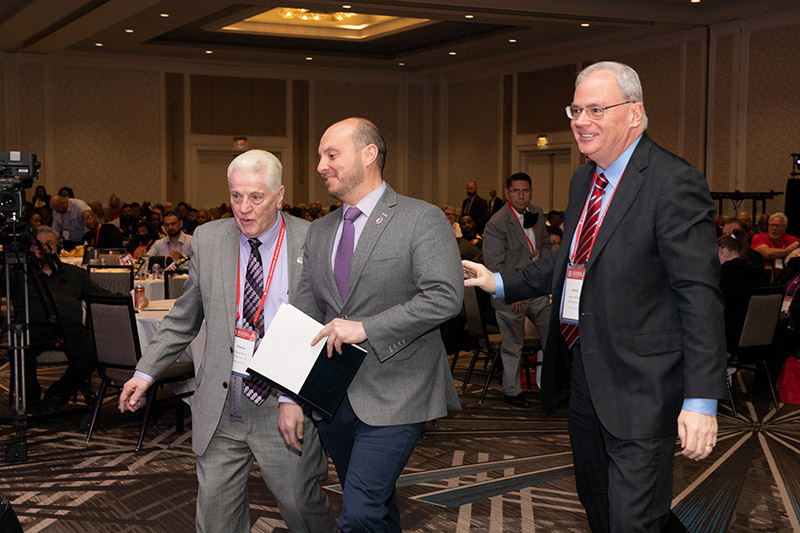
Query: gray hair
{"type": "Point", "coordinates": [259, 162]}
{"type": "Point", "coordinates": [627, 81]}
{"type": "Point", "coordinates": [784, 218]}
{"type": "Point", "coordinates": [53, 233]}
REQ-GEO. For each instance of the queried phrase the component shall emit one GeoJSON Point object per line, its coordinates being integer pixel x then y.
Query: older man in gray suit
{"type": "Point", "coordinates": [233, 262]}
{"type": "Point", "coordinates": [516, 236]}
{"type": "Point", "coordinates": [382, 272]}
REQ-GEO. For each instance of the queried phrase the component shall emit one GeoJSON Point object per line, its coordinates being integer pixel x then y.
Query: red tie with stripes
{"type": "Point", "coordinates": [588, 230]}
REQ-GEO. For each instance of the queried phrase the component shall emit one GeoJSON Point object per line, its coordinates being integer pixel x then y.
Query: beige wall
{"type": "Point", "coordinates": [724, 99]}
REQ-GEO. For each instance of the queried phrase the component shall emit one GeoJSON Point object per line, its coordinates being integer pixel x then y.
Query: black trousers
{"type": "Point", "coordinates": [624, 485]}
{"type": "Point", "coordinates": [78, 345]}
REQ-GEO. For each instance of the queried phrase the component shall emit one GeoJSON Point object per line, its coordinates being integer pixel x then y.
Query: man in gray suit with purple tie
{"type": "Point", "coordinates": [382, 272]}
{"type": "Point", "coordinates": [249, 263]}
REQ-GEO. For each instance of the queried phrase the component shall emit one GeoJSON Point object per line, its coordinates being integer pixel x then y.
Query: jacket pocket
{"type": "Point", "coordinates": [656, 343]}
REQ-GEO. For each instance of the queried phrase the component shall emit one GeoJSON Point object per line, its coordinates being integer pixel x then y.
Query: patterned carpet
{"type": "Point", "coordinates": [487, 468]}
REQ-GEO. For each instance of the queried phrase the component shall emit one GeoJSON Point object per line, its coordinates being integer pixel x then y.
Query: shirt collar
{"type": "Point", "coordinates": [615, 170]}
{"type": "Point", "coordinates": [368, 203]}
{"type": "Point", "coordinates": [269, 237]}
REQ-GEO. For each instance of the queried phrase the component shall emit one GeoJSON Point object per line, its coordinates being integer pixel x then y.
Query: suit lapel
{"type": "Point", "coordinates": [583, 184]}
{"type": "Point", "coordinates": [629, 186]}
{"type": "Point", "coordinates": [294, 252]}
{"type": "Point", "coordinates": [229, 258]}
{"type": "Point", "coordinates": [515, 230]}
{"type": "Point", "coordinates": [330, 225]}
{"type": "Point", "coordinates": [377, 221]}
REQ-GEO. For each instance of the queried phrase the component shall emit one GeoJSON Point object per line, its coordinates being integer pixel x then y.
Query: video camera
{"type": "Point", "coordinates": [17, 172]}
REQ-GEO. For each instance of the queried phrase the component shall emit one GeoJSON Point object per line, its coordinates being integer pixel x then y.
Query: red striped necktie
{"type": "Point", "coordinates": [585, 240]}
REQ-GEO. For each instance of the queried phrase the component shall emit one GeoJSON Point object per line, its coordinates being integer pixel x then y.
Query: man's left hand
{"type": "Point", "coordinates": [341, 331]}
{"type": "Point", "coordinates": [290, 423]}
{"type": "Point", "coordinates": [698, 434]}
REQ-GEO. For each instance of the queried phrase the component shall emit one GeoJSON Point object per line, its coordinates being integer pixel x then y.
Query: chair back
{"type": "Point", "coordinates": [763, 313]}
{"type": "Point", "coordinates": [116, 338]}
{"type": "Point", "coordinates": [473, 311]}
{"type": "Point", "coordinates": [113, 278]}
{"type": "Point", "coordinates": [173, 284]}
{"type": "Point", "coordinates": [160, 260]}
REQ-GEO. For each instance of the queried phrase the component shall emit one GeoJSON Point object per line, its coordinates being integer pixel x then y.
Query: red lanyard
{"type": "Point", "coordinates": [583, 217]}
{"type": "Point", "coordinates": [275, 255]}
{"type": "Point", "coordinates": [180, 248]}
{"type": "Point", "coordinates": [97, 236]}
{"type": "Point", "coordinates": [514, 212]}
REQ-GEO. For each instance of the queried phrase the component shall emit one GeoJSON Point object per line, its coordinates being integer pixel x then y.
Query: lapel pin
{"type": "Point", "coordinates": [299, 259]}
{"type": "Point", "coordinates": [378, 219]}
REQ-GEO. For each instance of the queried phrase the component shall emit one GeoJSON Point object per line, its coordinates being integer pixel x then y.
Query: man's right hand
{"type": "Point", "coordinates": [477, 275]}
{"type": "Point", "coordinates": [132, 396]}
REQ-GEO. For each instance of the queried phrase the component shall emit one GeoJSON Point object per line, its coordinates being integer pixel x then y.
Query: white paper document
{"type": "Point", "coordinates": [285, 354]}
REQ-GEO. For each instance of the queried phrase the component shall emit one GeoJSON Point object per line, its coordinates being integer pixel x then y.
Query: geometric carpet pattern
{"type": "Point", "coordinates": [488, 468]}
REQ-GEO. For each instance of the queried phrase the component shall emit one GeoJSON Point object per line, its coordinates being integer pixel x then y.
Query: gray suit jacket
{"type": "Point", "coordinates": [210, 293]}
{"type": "Point", "coordinates": [405, 280]}
{"type": "Point", "coordinates": [505, 245]}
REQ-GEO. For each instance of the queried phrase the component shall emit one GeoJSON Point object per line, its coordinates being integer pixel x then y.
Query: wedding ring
{"type": "Point", "coordinates": [709, 444]}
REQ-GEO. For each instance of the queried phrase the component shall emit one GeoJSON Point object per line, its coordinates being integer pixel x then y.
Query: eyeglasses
{"type": "Point", "coordinates": [777, 225]}
{"type": "Point", "coordinates": [519, 191]}
{"type": "Point", "coordinates": [594, 113]}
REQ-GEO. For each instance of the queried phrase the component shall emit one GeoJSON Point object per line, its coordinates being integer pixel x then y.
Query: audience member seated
{"type": "Point", "coordinates": [775, 245]}
{"type": "Point", "coordinates": [754, 257]}
{"type": "Point", "coordinates": [67, 219]}
{"type": "Point", "coordinates": [202, 217]}
{"type": "Point", "coordinates": [40, 197]}
{"type": "Point", "coordinates": [737, 278]}
{"type": "Point", "coordinates": [55, 293]}
{"type": "Point", "coordinates": [127, 222]}
{"type": "Point", "coordinates": [555, 237]}
{"type": "Point", "coordinates": [46, 212]}
{"type": "Point", "coordinates": [469, 231]}
{"type": "Point", "coordinates": [762, 224]}
{"type": "Point", "coordinates": [176, 244]}
{"type": "Point", "coordinates": [450, 213]}
{"type": "Point", "coordinates": [190, 222]}
{"type": "Point", "coordinates": [114, 208]}
{"type": "Point", "coordinates": [100, 235]}
{"type": "Point", "coordinates": [142, 240]}
{"type": "Point", "coordinates": [67, 192]}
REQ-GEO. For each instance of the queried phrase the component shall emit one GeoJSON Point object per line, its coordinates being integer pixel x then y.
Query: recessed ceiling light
{"type": "Point", "coordinates": [346, 6]}
{"type": "Point", "coordinates": [469, 16]}
{"type": "Point", "coordinates": [309, 58]}
{"type": "Point", "coordinates": [451, 53]}
{"type": "Point", "coordinates": [401, 64]}
{"type": "Point", "coordinates": [584, 24]}
{"type": "Point", "coordinates": [209, 52]}
{"type": "Point", "coordinates": [165, 15]}
{"type": "Point", "coordinates": [98, 44]}
{"type": "Point", "coordinates": [128, 30]}
{"type": "Point", "coordinates": [694, 1]}
{"type": "Point", "coordinates": [512, 40]}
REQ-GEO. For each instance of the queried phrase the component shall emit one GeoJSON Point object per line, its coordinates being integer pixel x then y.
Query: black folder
{"type": "Point", "coordinates": [327, 382]}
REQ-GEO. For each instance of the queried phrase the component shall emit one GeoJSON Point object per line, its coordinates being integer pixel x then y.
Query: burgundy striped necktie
{"type": "Point", "coordinates": [588, 230]}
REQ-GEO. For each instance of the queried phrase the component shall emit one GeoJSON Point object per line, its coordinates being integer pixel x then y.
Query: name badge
{"type": "Point", "coordinates": [778, 263]}
{"type": "Point", "coordinates": [65, 234]}
{"type": "Point", "coordinates": [571, 296]}
{"type": "Point", "coordinates": [243, 348]}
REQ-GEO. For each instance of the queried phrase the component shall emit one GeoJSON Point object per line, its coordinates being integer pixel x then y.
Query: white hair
{"type": "Point", "coordinates": [627, 80]}
{"type": "Point", "coordinates": [259, 162]}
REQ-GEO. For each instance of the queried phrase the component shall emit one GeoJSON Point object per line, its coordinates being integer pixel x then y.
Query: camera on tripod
{"type": "Point", "coordinates": [17, 172]}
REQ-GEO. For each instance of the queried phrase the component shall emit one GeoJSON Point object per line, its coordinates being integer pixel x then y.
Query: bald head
{"type": "Point", "coordinates": [59, 203]}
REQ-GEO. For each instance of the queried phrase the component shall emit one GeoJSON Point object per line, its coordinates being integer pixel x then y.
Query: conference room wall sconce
{"type": "Point", "coordinates": [542, 141]}
{"type": "Point", "coordinates": [240, 142]}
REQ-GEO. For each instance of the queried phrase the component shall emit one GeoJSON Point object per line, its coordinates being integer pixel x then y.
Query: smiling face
{"type": "Point", "coordinates": [341, 163]}
{"type": "Point", "coordinates": [605, 139]}
{"type": "Point", "coordinates": [255, 206]}
{"type": "Point", "coordinates": [90, 220]}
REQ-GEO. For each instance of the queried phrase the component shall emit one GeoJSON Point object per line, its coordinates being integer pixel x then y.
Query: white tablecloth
{"type": "Point", "coordinates": [154, 288]}
{"type": "Point", "coordinates": [147, 322]}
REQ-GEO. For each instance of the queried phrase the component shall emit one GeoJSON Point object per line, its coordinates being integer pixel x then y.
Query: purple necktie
{"type": "Point", "coordinates": [344, 253]}
{"type": "Point", "coordinates": [585, 240]}
{"type": "Point", "coordinates": [254, 389]}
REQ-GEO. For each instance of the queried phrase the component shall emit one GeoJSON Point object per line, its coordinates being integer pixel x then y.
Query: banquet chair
{"type": "Point", "coordinates": [113, 278]}
{"type": "Point", "coordinates": [116, 341]}
{"type": "Point", "coordinates": [173, 285]}
{"type": "Point", "coordinates": [763, 312]}
{"type": "Point", "coordinates": [488, 343]}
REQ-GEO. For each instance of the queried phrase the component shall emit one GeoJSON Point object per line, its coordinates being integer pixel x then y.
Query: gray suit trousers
{"type": "Point", "coordinates": [512, 327]}
{"type": "Point", "coordinates": [294, 479]}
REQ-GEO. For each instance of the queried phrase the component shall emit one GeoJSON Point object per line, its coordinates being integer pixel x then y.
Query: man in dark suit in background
{"type": "Point", "coordinates": [476, 207]}
{"type": "Point", "coordinates": [494, 203]}
{"type": "Point", "coordinates": [644, 328]}
{"type": "Point", "coordinates": [383, 271]}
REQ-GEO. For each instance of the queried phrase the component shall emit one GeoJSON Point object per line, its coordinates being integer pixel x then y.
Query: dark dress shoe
{"type": "Point", "coordinates": [517, 401]}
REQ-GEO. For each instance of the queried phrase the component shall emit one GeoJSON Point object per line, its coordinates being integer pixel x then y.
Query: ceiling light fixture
{"type": "Point", "coordinates": [128, 30]}
{"type": "Point", "coordinates": [469, 16]}
{"type": "Point", "coordinates": [694, 1]}
{"type": "Point", "coordinates": [512, 40]}
{"type": "Point", "coordinates": [401, 64]}
{"type": "Point", "coordinates": [98, 44]}
{"type": "Point", "coordinates": [451, 53]}
{"type": "Point", "coordinates": [209, 52]}
{"type": "Point", "coordinates": [309, 58]}
{"type": "Point", "coordinates": [347, 6]}
{"type": "Point", "coordinates": [164, 15]}
{"type": "Point", "coordinates": [290, 13]}
{"type": "Point", "coordinates": [584, 24]}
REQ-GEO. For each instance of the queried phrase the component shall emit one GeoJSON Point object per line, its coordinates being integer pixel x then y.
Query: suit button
{"type": "Point", "coordinates": [231, 349]}
{"type": "Point", "coordinates": [224, 384]}
{"type": "Point", "coordinates": [344, 317]}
